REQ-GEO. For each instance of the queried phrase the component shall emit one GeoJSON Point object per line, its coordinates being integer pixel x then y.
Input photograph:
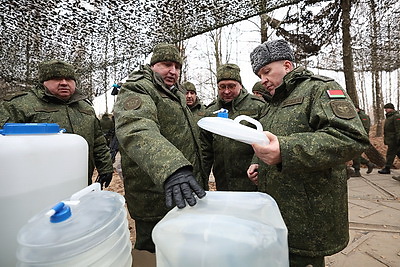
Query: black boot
{"type": "Point", "coordinates": [356, 173]}
{"type": "Point", "coordinates": [370, 166]}
{"type": "Point", "coordinates": [385, 170]}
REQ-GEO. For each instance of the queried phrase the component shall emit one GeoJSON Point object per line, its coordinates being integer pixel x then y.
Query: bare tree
{"type": "Point", "coordinates": [378, 100]}
{"type": "Point", "coordinates": [348, 68]}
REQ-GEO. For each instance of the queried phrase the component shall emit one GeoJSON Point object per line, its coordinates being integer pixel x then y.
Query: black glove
{"type": "Point", "coordinates": [104, 179]}
{"type": "Point", "coordinates": [180, 187]}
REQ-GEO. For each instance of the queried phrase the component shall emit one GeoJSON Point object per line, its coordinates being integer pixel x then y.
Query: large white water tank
{"type": "Point", "coordinates": [39, 166]}
{"type": "Point", "coordinates": [224, 229]}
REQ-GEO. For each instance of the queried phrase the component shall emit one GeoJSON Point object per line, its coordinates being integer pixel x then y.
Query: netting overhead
{"type": "Point", "coordinates": [94, 34]}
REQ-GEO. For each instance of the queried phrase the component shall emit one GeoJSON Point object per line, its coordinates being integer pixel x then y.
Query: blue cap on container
{"type": "Point", "coordinates": [62, 212]}
{"type": "Point", "coordinates": [30, 128]}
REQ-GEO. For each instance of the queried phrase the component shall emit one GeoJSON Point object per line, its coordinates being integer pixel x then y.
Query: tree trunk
{"type": "Point", "coordinates": [347, 52]}
{"type": "Point", "coordinates": [378, 107]}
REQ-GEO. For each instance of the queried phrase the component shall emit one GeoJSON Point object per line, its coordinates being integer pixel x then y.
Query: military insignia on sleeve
{"type": "Point", "coordinates": [343, 109]}
{"type": "Point", "coordinates": [133, 102]}
{"type": "Point", "coordinates": [335, 94]}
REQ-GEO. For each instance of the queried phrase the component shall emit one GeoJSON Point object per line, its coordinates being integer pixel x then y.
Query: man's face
{"type": "Point", "coordinates": [387, 110]}
{"type": "Point", "coordinates": [228, 90]}
{"type": "Point", "coordinates": [258, 94]}
{"type": "Point", "coordinates": [272, 74]}
{"type": "Point", "coordinates": [62, 88]}
{"type": "Point", "coordinates": [168, 70]}
{"type": "Point", "coordinates": [190, 98]}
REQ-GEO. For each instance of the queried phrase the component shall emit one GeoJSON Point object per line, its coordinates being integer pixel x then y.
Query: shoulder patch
{"type": "Point", "coordinates": [14, 95]}
{"type": "Point", "coordinates": [343, 109]}
{"type": "Point", "coordinates": [133, 102]}
{"type": "Point", "coordinates": [335, 94]}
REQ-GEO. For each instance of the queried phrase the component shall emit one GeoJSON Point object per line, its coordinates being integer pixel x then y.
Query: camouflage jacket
{"type": "Point", "coordinates": [391, 129]}
{"type": "Point", "coordinates": [365, 119]}
{"type": "Point", "coordinates": [198, 110]}
{"type": "Point", "coordinates": [230, 159]}
{"type": "Point", "coordinates": [317, 134]}
{"type": "Point", "coordinates": [75, 115]}
{"type": "Point", "coordinates": [157, 136]}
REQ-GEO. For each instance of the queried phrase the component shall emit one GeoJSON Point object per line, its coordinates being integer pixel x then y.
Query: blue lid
{"type": "Point", "coordinates": [30, 128]}
{"type": "Point", "coordinates": [62, 212]}
{"type": "Point", "coordinates": [222, 114]}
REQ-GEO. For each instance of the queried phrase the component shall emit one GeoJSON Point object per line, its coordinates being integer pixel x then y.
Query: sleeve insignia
{"type": "Point", "coordinates": [335, 94]}
{"type": "Point", "coordinates": [133, 102]}
{"type": "Point", "coordinates": [343, 109]}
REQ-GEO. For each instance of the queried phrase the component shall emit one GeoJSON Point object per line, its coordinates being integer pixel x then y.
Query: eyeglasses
{"type": "Point", "coordinates": [228, 86]}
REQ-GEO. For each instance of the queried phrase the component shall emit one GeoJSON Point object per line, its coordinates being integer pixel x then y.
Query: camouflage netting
{"type": "Point", "coordinates": [106, 39]}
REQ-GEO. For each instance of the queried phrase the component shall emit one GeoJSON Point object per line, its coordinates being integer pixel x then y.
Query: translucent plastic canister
{"type": "Point", "coordinates": [39, 165]}
{"type": "Point", "coordinates": [88, 229]}
{"type": "Point", "coordinates": [225, 229]}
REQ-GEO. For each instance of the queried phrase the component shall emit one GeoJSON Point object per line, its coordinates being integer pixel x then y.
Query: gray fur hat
{"type": "Point", "coordinates": [268, 52]}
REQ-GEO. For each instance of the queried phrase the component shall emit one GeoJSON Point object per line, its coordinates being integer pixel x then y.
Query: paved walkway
{"type": "Point", "coordinates": [374, 215]}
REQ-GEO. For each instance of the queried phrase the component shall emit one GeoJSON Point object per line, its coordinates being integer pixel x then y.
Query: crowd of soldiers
{"type": "Point", "coordinates": [313, 127]}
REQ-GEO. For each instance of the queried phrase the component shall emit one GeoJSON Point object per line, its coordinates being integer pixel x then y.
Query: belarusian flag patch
{"type": "Point", "coordinates": [335, 94]}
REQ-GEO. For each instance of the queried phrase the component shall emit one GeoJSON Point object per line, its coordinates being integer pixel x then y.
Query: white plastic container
{"type": "Point", "coordinates": [88, 229]}
{"type": "Point", "coordinates": [225, 229]}
{"type": "Point", "coordinates": [39, 167]}
{"type": "Point", "coordinates": [234, 129]}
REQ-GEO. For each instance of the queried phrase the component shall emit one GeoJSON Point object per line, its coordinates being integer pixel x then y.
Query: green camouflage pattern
{"type": "Point", "coordinates": [230, 159]}
{"type": "Point", "coordinates": [365, 120]}
{"type": "Point", "coordinates": [258, 87]}
{"type": "Point", "coordinates": [229, 72]}
{"type": "Point", "coordinates": [157, 136]}
{"type": "Point", "coordinates": [76, 116]}
{"type": "Point", "coordinates": [391, 137]}
{"type": "Point", "coordinates": [55, 69]}
{"type": "Point", "coordinates": [165, 52]}
{"type": "Point", "coordinates": [391, 128]}
{"type": "Point", "coordinates": [198, 110]}
{"type": "Point", "coordinates": [188, 86]}
{"type": "Point", "coordinates": [317, 136]}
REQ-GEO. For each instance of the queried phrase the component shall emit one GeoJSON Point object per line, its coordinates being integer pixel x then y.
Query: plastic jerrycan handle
{"type": "Point", "coordinates": [240, 118]}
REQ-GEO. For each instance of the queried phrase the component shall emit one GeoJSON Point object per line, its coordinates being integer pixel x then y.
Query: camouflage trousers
{"type": "Point", "coordinates": [303, 261]}
{"type": "Point", "coordinates": [391, 153]}
{"type": "Point", "coordinates": [143, 236]}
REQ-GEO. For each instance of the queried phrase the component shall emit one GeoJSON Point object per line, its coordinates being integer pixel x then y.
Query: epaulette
{"type": "Point", "coordinates": [14, 95]}
{"type": "Point", "coordinates": [135, 77]}
{"type": "Point", "coordinates": [322, 78]}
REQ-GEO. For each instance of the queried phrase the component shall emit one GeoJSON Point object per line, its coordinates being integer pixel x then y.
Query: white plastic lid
{"type": "Point", "coordinates": [233, 129]}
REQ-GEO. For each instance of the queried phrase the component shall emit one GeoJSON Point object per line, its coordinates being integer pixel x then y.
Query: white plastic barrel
{"type": "Point", "coordinates": [88, 229]}
{"type": "Point", "coordinates": [225, 229]}
{"type": "Point", "coordinates": [39, 166]}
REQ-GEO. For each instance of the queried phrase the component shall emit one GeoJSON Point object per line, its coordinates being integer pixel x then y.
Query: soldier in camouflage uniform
{"type": "Point", "coordinates": [55, 99]}
{"type": "Point", "coordinates": [357, 161]}
{"type": "Point", "coordinates": [158, 142]}
{"type": "Point", "coordinates": [228, 158]}
{"type": "Point", "coordinates": [259, 90]}
{"type": "Point", "coordinates": [193, 102]}
{"type": "Point", "coordinates": [313, 130]}
{"type": "Point", "coordinates": [391, 133]}
{"type": "Point", "coordinates": [107, 126]}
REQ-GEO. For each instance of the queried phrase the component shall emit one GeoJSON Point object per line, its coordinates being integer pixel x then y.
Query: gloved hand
{"type": "Point", "coordinates": [180, 187]}
{"type": "Point", "coordinates": [104, 179]}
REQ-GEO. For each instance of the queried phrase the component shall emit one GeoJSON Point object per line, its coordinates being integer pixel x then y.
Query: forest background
{"type": "Point", "coordinates": [354, 41]}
